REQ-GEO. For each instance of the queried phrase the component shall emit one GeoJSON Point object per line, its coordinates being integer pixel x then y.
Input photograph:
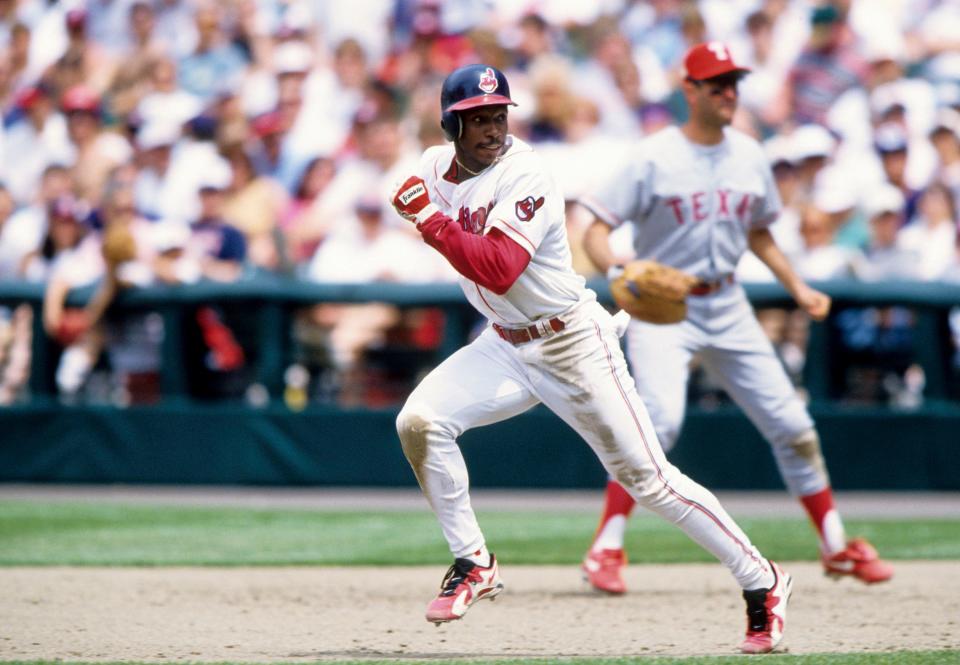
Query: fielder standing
{"type": "Point", "coordinates": [486, 204]}
{"type": "Point", "coordinates": [699, 196]}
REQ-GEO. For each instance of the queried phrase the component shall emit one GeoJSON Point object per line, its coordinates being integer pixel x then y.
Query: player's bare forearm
{"type": "Point", "coordinates": [813, 302]}
{"type": "Point", "coordinates": [54, 299]}
{"type": "Point", "coordinates": [102, 298]}
{"type": "Point", "coordinates": [765, 247]}
{"type": "Point", "coordinates": [596, 244]}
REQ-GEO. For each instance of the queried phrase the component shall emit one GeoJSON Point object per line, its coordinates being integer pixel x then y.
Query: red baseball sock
{"type": "Point", "coordinates": [823, 513]}
{"type": "Point", "coordinates": [617, 504]}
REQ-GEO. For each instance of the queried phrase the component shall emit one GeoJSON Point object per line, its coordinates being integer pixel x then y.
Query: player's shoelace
{"type": "Point", "coordinates": [756, 610]}
{"type": "Point", "coordinates": [455, 576]}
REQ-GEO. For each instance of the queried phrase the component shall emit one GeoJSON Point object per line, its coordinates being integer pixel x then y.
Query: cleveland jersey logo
{"type": "Point", "coordinates": [528, 207]}
{"type": "Point", "coordinates": [474, 221]}
{"type": "Point", "coordinates": [488, 81]}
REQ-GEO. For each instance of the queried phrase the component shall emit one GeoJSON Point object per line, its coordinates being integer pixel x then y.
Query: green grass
{"type": "Point", "coordinates": [897, 658]}
{"type": "Point", "coordinates": [48, 533]}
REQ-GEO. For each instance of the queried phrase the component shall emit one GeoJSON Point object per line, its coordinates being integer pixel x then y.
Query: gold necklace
{"type": "Point", "coordinates": [476, 173]}
{"type": "Point", "coordinates": [460, 164]}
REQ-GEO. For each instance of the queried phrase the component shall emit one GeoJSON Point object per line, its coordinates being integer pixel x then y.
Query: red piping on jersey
{"type": "Point", "coordinates": [494, 261]}
{"type": "Point", "coordinates": [436, 191]}
{"type": "Point", "coordinates": [690, 502]}
{"type": "Point", "coordinates": [489, 306]}
{"type": "Point", "coordinates": [533, 248]}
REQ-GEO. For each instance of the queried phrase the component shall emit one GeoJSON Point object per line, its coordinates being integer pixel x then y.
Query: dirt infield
{"type": "Point", "coordinates": [292, 614]}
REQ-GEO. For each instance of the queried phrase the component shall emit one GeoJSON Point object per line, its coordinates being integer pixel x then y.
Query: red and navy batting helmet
{"type": "Point", "coordinates": [469, 87]}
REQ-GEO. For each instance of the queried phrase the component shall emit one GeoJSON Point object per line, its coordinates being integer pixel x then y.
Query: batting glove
{"type": "Point", "coordinates": [411, 200]}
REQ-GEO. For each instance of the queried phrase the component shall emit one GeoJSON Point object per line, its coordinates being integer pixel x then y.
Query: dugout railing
{"type": "Point", "coordinates": [181, 440]}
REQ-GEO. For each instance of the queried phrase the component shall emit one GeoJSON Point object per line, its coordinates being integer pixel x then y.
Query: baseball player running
{"type": "Point", "coordinates": [486, 204]}
{"type": "Point", "coordinates": [699, 195]}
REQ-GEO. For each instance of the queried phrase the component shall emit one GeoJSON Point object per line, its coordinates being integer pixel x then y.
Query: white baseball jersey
{"type": "Point", "coordinates": [577, 370]}
{"type": "Point", "coordinates": [692, 204]}
{"type": "Point", "coordinates": [516, 196]}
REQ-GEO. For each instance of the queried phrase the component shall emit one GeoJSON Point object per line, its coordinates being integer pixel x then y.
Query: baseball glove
{"type": "Point", "coordinates": [119, 245]}
{"type": "Point", "coordinates": [74, 323]}
{"type": "Point", "coordinates": [652, 291]}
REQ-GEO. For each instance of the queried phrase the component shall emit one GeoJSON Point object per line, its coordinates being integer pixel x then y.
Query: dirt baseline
{"type": "Point", "coordinates": [342, 613]}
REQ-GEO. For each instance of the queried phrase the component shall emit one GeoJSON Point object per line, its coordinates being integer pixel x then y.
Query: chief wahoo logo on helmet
{"type": "Point", "coordinates": [488, 81]}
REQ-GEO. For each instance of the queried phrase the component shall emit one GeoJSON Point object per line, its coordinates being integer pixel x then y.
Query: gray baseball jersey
{"type": "Point", "coordinates": [693, 207]}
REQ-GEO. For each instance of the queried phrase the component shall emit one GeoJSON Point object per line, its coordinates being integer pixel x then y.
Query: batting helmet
{"type": "Point", "coordinates": [467, 88]}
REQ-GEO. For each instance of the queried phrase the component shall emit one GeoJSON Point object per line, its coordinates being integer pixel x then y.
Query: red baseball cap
{"type": "Point", "coordinates": [80, 98]}
{"type": "Point", "coordinates": [710, 59]}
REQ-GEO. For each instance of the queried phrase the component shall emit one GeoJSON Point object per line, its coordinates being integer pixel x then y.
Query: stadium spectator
{"type": "Point", "coordinates": [818, 258]}
{"type": "Point", "coordinates": [96, 152]}
{"type": "Point", "coordinates": [828, 66]}
{"type": "Point", "coordinates": [131, 80]}
{"type": "Point", "coordinates": [15, 323]}
{"type": "Point", "coordinates": [163, 100]}
{"type": "Point", "coordinates": [84, 62]}
{"type": "Point", "coordinates": [932, 234]}
{"type": "Point", "coordinates": [315, 179]}
{"type": "Point", "coordinates": [758, 92]}
{"type": "Point", "coordinates": [218, 248]}
{"type": "Point", "coordinates": [811, 148]}
{"type": "Point", "coordinates": [176, 28]}
{"type": "Point", "coordinates": [945, 137]}
{"type": "Point", "coordinates": [131, 339]}
{"type": "Point", "coordinates": [38, 139]}
{"type": "Point", "coordinates": [382, 154]}
{"type": "Point", "coordinates": [65, 231]}
{"type": "Point", "coordinates": [215, 64]}
{"type": "Point", "coordinates": [20, 69]}
{"type": "Point", "coordinates": [884, 258]}
{"type": "Point", "coordinates": [253, 206]}
{"type": "Point", "coordinates": [535, 38]}
{"type": "Point", "coordinates": [893, 148]}
{"type": "Point", "coordinates": [154, 143]}
{"type": "Point", "coordinates": [24, 230]}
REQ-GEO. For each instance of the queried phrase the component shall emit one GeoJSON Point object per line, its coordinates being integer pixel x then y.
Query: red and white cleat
{"type": "Point", "coordinates": [859, 560]}
{"type": "Point", "coordinates": [464, 584]}
{"type": "Point", "coordinates": [767, 613]}
{"type": "Point", "coordinates": [603, 569]}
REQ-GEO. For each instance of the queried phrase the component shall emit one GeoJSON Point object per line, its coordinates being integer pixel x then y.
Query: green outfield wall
{"type": "Point", "coordinates": [865, 449]}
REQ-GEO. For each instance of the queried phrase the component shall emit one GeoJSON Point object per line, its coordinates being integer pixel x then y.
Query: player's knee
{"type": "Point", "coordinates": [413, 428]}
{"type": "Point", "coordinates": [806, 446]}
{"type": "Point", "coordinates": [639, 481]}
{"type": "Point", "coordinates": [802, 457]}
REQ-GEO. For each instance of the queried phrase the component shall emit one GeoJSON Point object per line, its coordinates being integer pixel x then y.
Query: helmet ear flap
{"type": "Point", "coordinates": [450, 123]}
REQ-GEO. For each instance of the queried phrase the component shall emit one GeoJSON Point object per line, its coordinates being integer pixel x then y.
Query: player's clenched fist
{"type": "Point", "coordinates": [412, 201]}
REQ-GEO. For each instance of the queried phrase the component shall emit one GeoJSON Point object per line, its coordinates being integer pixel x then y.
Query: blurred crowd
{"type": "Point", "coordinates": [228, 139]}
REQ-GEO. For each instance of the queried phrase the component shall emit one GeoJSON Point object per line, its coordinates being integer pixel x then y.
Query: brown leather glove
{"type": "Point", "coordinates": [119, 245]}
{"type": "Point", "coordinates": [652, 291]}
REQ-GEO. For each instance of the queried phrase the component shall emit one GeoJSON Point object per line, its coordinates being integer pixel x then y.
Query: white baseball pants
{"type": "Point", "coordinates": [581, 375]}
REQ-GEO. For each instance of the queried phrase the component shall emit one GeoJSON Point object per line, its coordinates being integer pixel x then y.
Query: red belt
{"type": "Point", "coordinates": [703, 288]}
{"type": "Point", "coordinates": [523, 335]}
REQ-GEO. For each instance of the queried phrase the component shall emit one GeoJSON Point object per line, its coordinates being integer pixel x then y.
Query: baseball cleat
{"type": "Point", "coordinates": [464, 584]}
{"type": "Point", "coordinates": [767, 613]}
{"type": "Point", "coordinates": [860, 560]}
{"type": "Point", "coordinates": [603, 569]}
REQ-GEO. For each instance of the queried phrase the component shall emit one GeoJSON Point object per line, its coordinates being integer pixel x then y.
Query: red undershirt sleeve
{"type": "Point", "coordinates": [494, 261]}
